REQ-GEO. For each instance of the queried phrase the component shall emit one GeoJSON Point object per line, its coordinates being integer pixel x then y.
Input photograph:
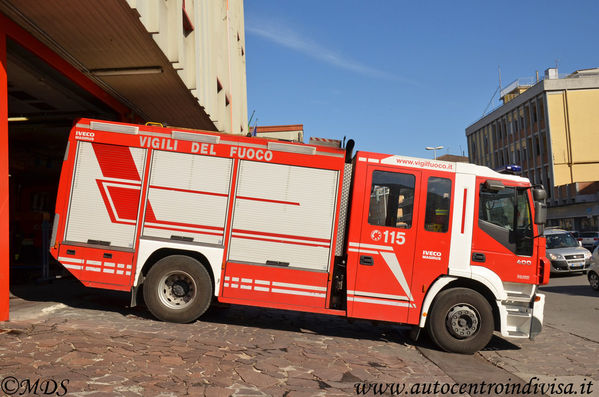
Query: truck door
{"type": "Point", "coordinates": [503, 237]}
{"type": "Point", "coordinates": [385, 252]}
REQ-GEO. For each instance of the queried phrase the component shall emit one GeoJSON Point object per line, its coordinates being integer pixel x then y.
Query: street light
{"type": "Point", "coordinates": [434, 149]}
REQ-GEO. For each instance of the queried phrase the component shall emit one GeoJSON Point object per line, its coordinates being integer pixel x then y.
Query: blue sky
{"type": "Point", "coordinates": [397, 76]}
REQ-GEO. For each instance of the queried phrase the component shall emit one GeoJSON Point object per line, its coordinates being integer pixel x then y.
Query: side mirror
{"type": "Point", "coordinates": [579, 243]}
{"type": "Point", "coordinates": [540, 213]}
{"type": "Point", "coordinates": [539, 194]}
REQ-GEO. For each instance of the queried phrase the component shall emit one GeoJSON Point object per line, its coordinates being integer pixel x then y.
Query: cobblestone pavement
{"type": "Point", "coordinates": [239, 351]}
{"type": "Point", "coordinates": [90, 338]}
{"type": "Point", "coordinates": [555, 356]}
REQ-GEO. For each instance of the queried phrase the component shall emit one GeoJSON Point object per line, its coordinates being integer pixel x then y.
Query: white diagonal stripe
{"type": "Point", "coordinates": [393, 264]}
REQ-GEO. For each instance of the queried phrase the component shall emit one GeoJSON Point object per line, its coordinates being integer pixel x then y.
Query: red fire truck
{"type": "Point", "coordinates": [193, 217]}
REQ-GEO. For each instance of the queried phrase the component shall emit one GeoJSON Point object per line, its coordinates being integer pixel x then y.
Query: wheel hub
{"type": "Point", "coordinates": [180, 289]}
{"type": "Point", "coordinates": [462, 321]}
{"type": "Point", "coordinates": [177, 290]}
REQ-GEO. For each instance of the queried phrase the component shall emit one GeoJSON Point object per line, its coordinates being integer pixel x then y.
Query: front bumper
{"type": "Point", "coordinates": [567, 266]}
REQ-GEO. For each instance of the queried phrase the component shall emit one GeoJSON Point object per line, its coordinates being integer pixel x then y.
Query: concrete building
{"type": "Point", "coordinates": [176, 61]}
{"type": "Point", "coordinates": [549, 128]}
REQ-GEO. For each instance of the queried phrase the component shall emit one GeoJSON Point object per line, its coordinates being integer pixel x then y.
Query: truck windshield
{"type": "Point", "coordinates": [561, 240]}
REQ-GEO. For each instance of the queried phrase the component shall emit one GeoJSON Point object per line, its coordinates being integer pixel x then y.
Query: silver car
{"type": "Point", "coordinates": [565, 253]}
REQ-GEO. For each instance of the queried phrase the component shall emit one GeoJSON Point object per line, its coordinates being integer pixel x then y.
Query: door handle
{"type": "Point", "coordinates": [366, 260]}
{"type": "Point", "coordinates": [478, 257]}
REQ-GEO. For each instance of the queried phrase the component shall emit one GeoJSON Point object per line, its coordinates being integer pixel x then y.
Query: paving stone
{"type": "Point", "coordinates": [256, 378]}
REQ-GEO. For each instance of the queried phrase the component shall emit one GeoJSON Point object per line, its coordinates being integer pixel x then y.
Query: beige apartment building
{"type": "Point", "coordinates": [550, 128]}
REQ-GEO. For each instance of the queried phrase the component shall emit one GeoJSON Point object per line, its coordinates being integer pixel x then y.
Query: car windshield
{"type": "Point", "coordinates": [561, 240]}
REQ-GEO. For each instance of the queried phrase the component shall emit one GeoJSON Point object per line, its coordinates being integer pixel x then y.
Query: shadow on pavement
{"type": "Point", "coordinates": [72, 293]}
{"type": "Point", "coordinates": [497, 343]}
{"type": "Point", "coordinates": [302, 323]}
{"type": "Point", "coordinates": [574, 290]}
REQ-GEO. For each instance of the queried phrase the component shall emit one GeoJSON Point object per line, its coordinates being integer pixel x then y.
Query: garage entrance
{"type": "Point", "coordinates": [42, 96]}
{"type": "Point", "coordinates": [42, 105]}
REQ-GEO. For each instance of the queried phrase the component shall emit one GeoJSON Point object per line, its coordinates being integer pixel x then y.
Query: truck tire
{"type": "Point", "coordinates": [177, 289]}
{"type": "Point", "coordinates": [461, 321]}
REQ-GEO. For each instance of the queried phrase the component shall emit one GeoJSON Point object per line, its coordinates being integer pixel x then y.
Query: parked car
{"type": "Point", "coordinates": [593, 274]}
{"type": "Point", "coordinates": [589, 239]}
{"type": "Point", "coordinates": [565, 253]}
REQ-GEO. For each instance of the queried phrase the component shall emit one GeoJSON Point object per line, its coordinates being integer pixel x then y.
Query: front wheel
{"type": "Point", "coordinates": [461, 321]}
{"type": "Point", "coordinates": [177, 289]}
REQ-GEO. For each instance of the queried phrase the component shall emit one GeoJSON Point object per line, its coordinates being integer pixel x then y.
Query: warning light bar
{"type": "Point", "coordinates": [511, 169]}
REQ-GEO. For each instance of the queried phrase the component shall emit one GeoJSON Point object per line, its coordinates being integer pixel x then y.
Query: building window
{"type": "Point", "coordinates": [391, 199]}
{"type": "Point", "coordinates": [438, 199]}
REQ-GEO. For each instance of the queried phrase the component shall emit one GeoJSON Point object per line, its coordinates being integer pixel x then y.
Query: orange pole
{"type": "Point", "coordinates": [4, 215]}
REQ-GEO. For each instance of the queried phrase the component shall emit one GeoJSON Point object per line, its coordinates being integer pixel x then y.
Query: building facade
{"type": "Point", "coordinates": [549, 128]}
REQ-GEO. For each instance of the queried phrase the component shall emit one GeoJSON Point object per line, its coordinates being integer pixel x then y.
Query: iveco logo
{"type": "Point", "coordinates": [431, 255]}
{"type": "Point", "coordinates": [524, 262]}
{"type": "Point", "coordinates": [85, 134]}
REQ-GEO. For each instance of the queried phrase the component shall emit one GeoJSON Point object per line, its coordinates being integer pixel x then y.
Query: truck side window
{"type": "Point", "coordinates": [498, 207]}
{"type": "Point", "coordinates": [391, 199]}
{"type": "Point", "coordinates": [438, 199]}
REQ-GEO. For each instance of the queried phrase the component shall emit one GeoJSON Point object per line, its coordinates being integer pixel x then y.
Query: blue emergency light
{"type": "Point", "coordinates": [510, 169]}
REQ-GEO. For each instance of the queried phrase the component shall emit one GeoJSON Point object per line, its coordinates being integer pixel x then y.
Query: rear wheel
{"type": "Point", "coordinates": [177, 289]}
{"type": "Point", "coordinates": [594, 280]}
{"type": "Point", "coordinates": [461, 321]}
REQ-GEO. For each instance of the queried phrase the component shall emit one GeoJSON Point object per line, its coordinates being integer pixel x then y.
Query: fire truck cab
{"type": "Point", "coordinates": [193, 217]}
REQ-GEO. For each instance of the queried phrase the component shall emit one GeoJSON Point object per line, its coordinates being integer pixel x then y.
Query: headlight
{"type": "Point", "coordinates": [587, 255]}
{"type": "Point", "coordinates": [555, 257]}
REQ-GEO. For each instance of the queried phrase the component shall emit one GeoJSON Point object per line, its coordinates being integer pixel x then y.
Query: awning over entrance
{"type": "Point", "coordinates": [108, 43]}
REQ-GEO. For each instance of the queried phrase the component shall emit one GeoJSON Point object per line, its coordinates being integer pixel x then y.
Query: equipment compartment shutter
{"type": "Point", "coordinates": [284, 215]}
{"type": "Point", "coordinates": [105, 194]}
{"type": "Point", "coordinates": [188, 197]}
